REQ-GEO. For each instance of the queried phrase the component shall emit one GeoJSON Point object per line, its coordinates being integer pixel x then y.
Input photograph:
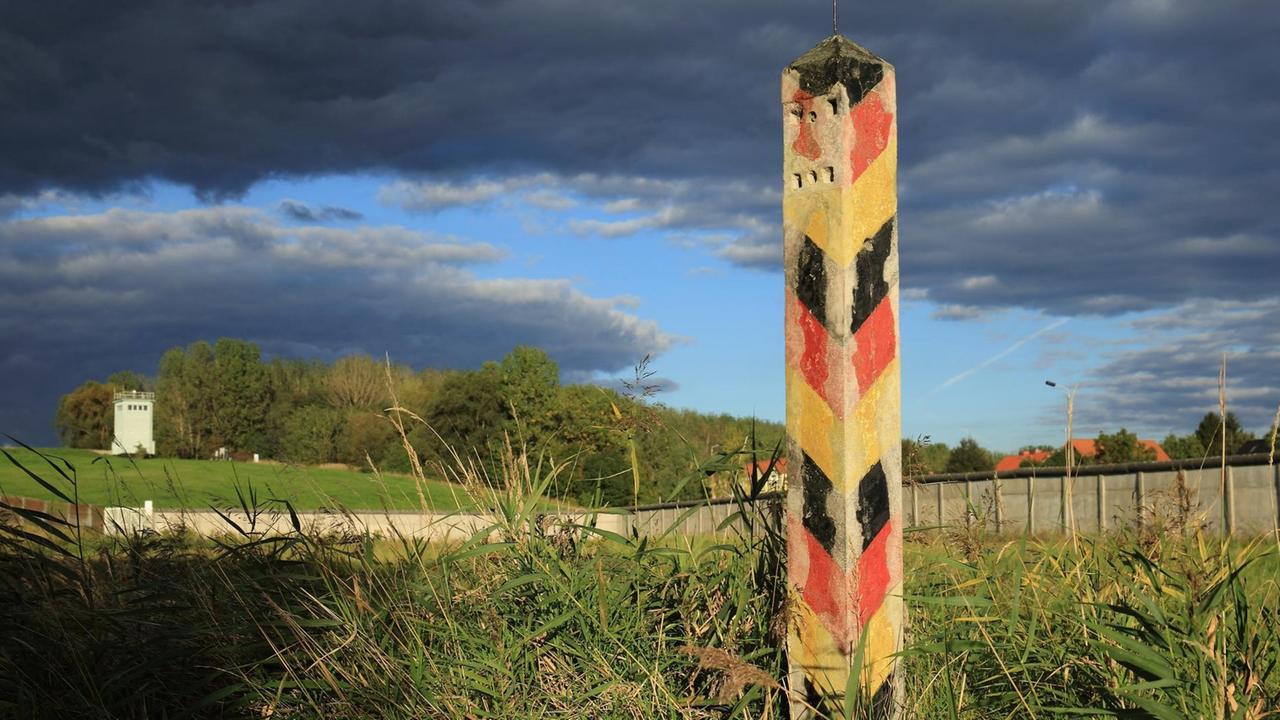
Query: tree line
{"type": "Point", "coordinates": [225, 395]}
{"type": "Point", "coordinates": [923, 457]}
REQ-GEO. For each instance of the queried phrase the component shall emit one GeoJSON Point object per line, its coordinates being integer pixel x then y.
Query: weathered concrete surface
{"type": "Point", "coordinates": [88, 516]}
{"type": "Point", "coordinates": [435, 527]}
{"type": "Point", "coordinates": [844, 507]}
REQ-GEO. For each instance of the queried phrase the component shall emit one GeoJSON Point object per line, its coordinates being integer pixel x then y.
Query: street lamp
{"type": "Point", "coordinates": [1068, 511]}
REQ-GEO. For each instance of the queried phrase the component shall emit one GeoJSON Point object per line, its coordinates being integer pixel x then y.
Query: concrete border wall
{"type": "Point", "coordinates": [89, 516]}
{"type": "Point", "coordinates": [1042, 500]}
{"type": "Point", "coordinates": [1244, 500]}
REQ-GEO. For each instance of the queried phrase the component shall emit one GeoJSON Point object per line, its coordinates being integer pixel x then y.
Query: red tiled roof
{"type": "Point", "coordinates": [1083, 448]}
{"type": "Point", "coordinates": [779, 468]}
{"type": "Point", "coordinates": [1013, 462]}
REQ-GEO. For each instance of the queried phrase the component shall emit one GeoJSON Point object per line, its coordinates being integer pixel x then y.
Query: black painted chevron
{"type": "Point", "coordinates": [873, 503]}
{"type": "Point", "coordinates": [882, 702]}
{"type": "Point", "coordinates": [811, 279]}
{"type": "Point", "coordinates": [817, 520]}
{"type": "Point", "coordinates": [872, 286]}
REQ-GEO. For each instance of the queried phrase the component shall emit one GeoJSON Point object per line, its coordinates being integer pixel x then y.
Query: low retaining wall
{"type": "Point", "coordinates": [426, 526]}
{"type": "Point", "coordinates": [1245, 500]}
{"type": "Point", "coordinates": [89, 516]}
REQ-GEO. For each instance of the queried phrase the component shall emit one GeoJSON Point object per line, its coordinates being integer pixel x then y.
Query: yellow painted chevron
{"type": "Point", "coordinates": [825, 438]}
{"type": "Point", "coordinates": [838, 218]}
{"type": "Point", "coordinates": [872, 199]}
{"type": "Point", "coordinates": [826, 662]}
{"type": "Point", "coordinates": [812, 647]}
{"type": "Point", "coordinates": [812, 425]}
{"type": "Point", "coordinates": [876, 417]}
{"type": "Point", "coordinates": [881, 640]}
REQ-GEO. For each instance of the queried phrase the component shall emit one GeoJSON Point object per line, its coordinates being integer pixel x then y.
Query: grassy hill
{"type": "Point", "coordinates": [173, 483]}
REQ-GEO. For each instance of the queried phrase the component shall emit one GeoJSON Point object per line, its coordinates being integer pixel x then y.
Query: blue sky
{"type": "Point", "coordinates": [1081, 198]}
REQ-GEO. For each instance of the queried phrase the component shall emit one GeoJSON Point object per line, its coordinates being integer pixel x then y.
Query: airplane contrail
{"type": "Point", "coordinates": [1000, 355]}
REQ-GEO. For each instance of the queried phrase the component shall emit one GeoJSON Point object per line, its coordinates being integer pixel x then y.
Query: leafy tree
{"type": "Point", "coordinates": [924, 457]}
{"type": "Point", "coordinates": [185, 402]}
{"type": "Point", "coordinates": [129, 380]}
{"type": "Point", "coordinates": [969, 456]}
{"type": "Point", "coordinates": [467, 415]}
{"type": "Point", "coordinates": [356, 382]}
{"type": "Point", "coordinates": [1209, 432]}
{"type": "Point", "coordinates": [1184, 446]}
{"type": "Point", "coordinates": [530, 384]}
{"type": "Point", "coordinates": [1121, 446]}
{"type": "Point", "coordinates": [86, 416]}
{"type": "Point", "coordinates": [365, 434]}
{"type": "Point", "coordinates": [311, 434]}
{"type": "Point", "coordinates": [243, 394]}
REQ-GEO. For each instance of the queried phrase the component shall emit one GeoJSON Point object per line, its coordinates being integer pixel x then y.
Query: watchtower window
{"type": "Point", "coordinates": [797, 181]}
{"type": "Point", "coordinates": [813, 116]}
{"type": "Point", "coordinates": [831, 174]}
{"type": "Point", "coordinates": [813, 175]}
{"type": "Point", "coordinates": [835, 105]}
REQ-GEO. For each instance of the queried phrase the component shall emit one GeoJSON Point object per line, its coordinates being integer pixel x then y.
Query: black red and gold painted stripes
{"type": "Point", "coordinates": [843, 406]}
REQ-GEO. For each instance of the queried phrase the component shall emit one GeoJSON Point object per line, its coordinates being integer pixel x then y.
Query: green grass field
{"type": "Point", "coordinates": [171, 483]}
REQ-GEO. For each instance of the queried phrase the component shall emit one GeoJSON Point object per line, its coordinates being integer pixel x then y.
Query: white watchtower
{"type": "Point", "coordinates": [134, 426]}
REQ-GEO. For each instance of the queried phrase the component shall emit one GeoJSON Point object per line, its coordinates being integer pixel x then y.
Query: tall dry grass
{"type": "Point", "coordinates": [537, 616]}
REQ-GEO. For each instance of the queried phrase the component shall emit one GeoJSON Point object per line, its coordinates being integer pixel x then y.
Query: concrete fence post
{"type": "Point", "coordinates": [844, 524]}
{"type": "Point", "coordinates": [968, 503]}
{"type": "Point", "coordinates": [998, 499]}
{"type": "Point", "coordinates": [915, 504]}
{"type": "Point", "coordinates": [1275, 471]}
{"type": "Point", "coordinates": [1102, 503]}
{"type": "Point", "coordinates": [1064, 498]}
{"type": "Point", "coordinates": [1140, 498]}
{"type": "Point", "coordinates": [937, 487]}
{"type": "Point", "coordinates": [1031, 506]}
{"type": "Point", "coordinates": [1229, 502]}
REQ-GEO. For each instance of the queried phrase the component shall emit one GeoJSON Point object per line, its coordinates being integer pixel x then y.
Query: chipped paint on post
{"type": "Point", "coordinates": [844, 503]}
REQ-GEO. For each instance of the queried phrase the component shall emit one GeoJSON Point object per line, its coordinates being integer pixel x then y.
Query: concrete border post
{"type": "Point", "coordinates": [844, 426]}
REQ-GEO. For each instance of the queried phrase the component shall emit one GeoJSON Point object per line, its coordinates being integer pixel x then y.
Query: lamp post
{"type": "Point", "coordinates": [1068, 500]}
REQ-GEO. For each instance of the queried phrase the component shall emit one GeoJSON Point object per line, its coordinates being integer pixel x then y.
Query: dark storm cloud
{"type": "Point", "coordinates": [83, 295]}
{"type": "Point", "coordinates": [1038, 137]}
{"type": "Point", "coordinates": [1093, 157]}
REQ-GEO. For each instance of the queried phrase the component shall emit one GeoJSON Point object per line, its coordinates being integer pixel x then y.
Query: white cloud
{"type": "Point", "coordinates": [125, 277]}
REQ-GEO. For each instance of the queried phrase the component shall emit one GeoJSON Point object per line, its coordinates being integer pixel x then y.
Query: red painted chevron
{"type": "Point", "coordinates": [825, 590]}
{"type": "Point", "coordinates": [828, 589]}
{"type": "Point", "coordinates": [872, 128]}
{"type": "Point", "coordinates": [814, 361]}
{"type": "Point", "coordinates": [876, 344]}
{"type": "Point", "coordinates": [874, 578]}
{"type": "Point", "coordinates": [805, 143]}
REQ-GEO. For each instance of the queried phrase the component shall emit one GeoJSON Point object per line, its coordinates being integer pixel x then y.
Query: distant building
{"type": "Point", "coordinates": [1083, 448]}
{"type": "Point", "coordinates": [134, 423]}
{"type": "Point", "coordinates": [776, 482]}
